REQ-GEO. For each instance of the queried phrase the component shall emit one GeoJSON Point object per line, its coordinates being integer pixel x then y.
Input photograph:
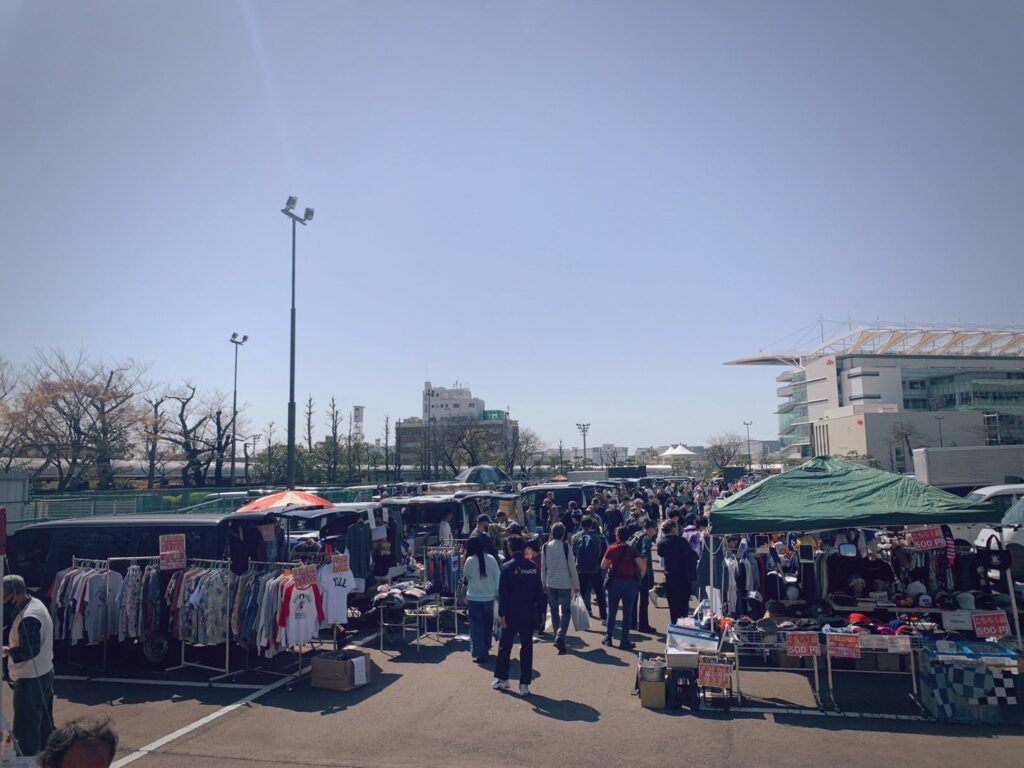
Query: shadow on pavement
{"type": "Point", "coordinates": [601, 656]}
{"type": "Point", "coordinates": [918, 728]}
{"type": "Point", "coordinates": [91, 693]}
{"type": "Point", "coordinates": [565, 710]}
{"type": "Point", "coordinates": [325, 701]}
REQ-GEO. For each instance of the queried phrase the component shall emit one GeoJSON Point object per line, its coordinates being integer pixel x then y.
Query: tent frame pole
{"type": "Point", "coordinates": [1013, 595]}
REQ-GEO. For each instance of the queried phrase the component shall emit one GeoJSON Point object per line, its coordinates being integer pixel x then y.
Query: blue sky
{"type": "Point", "coordinates": [580, 208]}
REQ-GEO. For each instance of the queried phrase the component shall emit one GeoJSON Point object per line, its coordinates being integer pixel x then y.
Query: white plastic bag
{"type": "Point", "coordinates": [580, 619]}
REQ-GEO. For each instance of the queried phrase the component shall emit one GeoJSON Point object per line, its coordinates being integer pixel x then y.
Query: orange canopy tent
{"type": "Point", "coordinates": [285, 499]}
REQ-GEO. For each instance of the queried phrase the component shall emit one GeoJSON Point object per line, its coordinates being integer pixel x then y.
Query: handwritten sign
{"type": "Point", "coordinates": [843, 646]}
{"type": "Point", "coordinates": [802, 644]}
{"type": "Point", "coordinates": [339, 563]}
{"type": "Point", "coordinates": [991, 624]}
{"type": "Point", "coordinates": [928, 538]}
{"type": "Point", "coordinates": [714, 675]}
{"type": "Point", "coordinates": [172, 552]}
{"type": "Point", "coordinates": [304, 576]}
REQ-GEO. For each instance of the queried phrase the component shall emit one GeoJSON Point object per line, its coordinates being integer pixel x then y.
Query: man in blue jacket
{"type": "Point", "coordinates": [520, 595]}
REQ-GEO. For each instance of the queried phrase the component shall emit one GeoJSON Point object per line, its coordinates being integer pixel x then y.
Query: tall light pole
{"type": "Point", "coordinates": [749, 460]}
{"type": "Point", "coordinates": [306, 217]}
{"type": "Point", "coordinates": [237, 341]}
{"type": "Point", "coordinates": [939, 419]}
{"type": "Point", "coordinates": [584, 428]}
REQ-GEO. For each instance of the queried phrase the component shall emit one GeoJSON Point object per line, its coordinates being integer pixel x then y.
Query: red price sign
{"type": "Point", "coordinates": [992, 624]}
{"type": "Point", "coordinates": [714, 675]}
{"type": "Point", "coordinates": [928, 538]}
{"type": "Point", "coordinates": [304, 576]}
{"type": "Point", "coordinates": [339, 563]}
{"type": "Point", "coordinates": [843, 646]}
{"type": "Point", "coordinates": [172, 552]}
{"type": "Point", "coordinates": [802, 644]}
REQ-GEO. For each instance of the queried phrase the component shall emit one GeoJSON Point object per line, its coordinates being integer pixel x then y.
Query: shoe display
{"type": "Point", "coordinates": [524, 690]}
{"type": "Point", "coordinates": [499, 685]}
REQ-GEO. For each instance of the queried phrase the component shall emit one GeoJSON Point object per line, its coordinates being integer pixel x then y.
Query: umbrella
{"type": "Point", "coordinates": [483, 474]}
{"type": "Point", "coordinates": [285, 499]}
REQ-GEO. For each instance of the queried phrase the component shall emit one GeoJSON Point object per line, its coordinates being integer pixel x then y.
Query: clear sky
{"type": "Point", "coordinates": [580, 208]}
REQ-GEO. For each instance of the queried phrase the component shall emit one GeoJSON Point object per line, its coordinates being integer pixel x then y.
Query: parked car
{"type": "Point", "coordinates": [581, 493]}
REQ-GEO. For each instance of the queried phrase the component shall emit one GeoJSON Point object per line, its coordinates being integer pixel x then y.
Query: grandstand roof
{"type": "Point", "coordinates": [922, 341]}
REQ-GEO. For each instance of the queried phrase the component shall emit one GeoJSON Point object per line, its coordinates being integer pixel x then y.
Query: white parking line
{"type": "Point", "coordinates": [155, 745]}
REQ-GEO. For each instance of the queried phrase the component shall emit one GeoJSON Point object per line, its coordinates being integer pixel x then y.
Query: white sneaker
{"type": "Point", "coordinates": [524, 689]}
{"type": "Point", "coordinates": [499, 685]}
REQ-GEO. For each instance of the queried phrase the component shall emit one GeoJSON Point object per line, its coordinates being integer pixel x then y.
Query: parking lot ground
{"type": "Point", "coordinates": [433, 707]}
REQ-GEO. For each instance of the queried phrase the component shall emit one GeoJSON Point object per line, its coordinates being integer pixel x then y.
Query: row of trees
{"type": "Point", "coordinates": [73, 416]}
{"type": "Point", "coordinates": [447, 445]}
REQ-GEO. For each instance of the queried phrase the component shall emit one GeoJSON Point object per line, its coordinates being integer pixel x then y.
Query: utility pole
{"type": "Point", "coordinates": [749, 460]}
{"type": "Point", "coordinates": [237, 341]}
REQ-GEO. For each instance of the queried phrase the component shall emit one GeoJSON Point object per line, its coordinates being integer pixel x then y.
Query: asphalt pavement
{"type": "Point", "coordinates": [434, 707]}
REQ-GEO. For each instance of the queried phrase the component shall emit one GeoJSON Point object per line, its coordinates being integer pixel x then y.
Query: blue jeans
{"type": "Point", "coordinates": [481, 627]}
{"type": "Point", "coordinates": [624, 591]}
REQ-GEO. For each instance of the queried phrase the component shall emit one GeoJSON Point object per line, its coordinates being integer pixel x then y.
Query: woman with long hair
{"type": "Point", "coordinates": [482, 575]}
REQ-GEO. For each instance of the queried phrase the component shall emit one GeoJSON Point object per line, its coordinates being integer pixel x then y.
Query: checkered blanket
{"type": "Point", "coordinates": [976, 683]}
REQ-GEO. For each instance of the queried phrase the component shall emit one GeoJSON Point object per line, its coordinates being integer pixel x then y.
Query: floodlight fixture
{"type": "Point", "coordinates": [308, 215]}
{"type": "Point", "coordinates": [292, 202]}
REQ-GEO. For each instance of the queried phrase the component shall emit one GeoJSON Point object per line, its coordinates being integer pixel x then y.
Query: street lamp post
{"type": "Point", "coordinates": [306, 217]}
{"type": "Point", "coordinates": [939, 419]}
{"type": "Point", "coordinates": [749, 458]}
{"type": "Point", "coordinates": [237, 341]}
{"type": "Point", "coordinates": [584, 428]}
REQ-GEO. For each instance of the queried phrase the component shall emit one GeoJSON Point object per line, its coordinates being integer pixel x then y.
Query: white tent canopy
{"type": "Point", "coordinates": [677, 451]}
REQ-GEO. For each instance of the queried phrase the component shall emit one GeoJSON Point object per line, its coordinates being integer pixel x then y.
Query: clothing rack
{"type": "Point", "coordinates": [226, 670]}
{"type": "Point", "coordinates": [99, 564]}
{"type": "Point", "coordinates": [443, 603]}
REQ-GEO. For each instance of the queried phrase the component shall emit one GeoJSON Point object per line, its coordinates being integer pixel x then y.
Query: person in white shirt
{"type": "Point", "coordinates": [30, 666]}
{"type": "Point", "coordinates": [560, 579]}
{"type": "Point", "coordinates": [482, 577]}
{"type": "Point", "coordinates": [444, 528]}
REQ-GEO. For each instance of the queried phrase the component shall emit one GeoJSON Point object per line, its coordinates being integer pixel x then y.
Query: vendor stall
{"type": "Point", "coordinates": [858, 560]}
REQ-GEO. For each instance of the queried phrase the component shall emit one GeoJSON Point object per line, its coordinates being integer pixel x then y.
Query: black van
{"type": "Point", "coordinates": [37, 552]}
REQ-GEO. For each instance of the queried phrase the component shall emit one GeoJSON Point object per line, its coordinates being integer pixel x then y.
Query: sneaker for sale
{"type": "Point", "coordinates": [524, 689]}
{"type": "Point", "coordinates": [499, 685]}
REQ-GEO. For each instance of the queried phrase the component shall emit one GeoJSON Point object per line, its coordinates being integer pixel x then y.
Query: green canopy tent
{"type": "Point", "coordinates": [826, 493]}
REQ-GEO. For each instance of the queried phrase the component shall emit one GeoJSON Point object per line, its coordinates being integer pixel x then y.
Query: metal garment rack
{"type": "Point", "coordinates": [442, 603]}
{"type": "Point", "coordinates": [101, 564]}
{"type": "Point", "coordinates": [268, 565]}
{"type": "Point", "coordinates": [226, 670]}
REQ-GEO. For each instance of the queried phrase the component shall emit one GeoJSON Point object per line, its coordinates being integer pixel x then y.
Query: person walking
{"type": "Point", "coordinates": [588, 546]}
{"type": "Point", "coordinates": [644, 544]}
{"type": "Point", "coordinates": [519, 595]}
{"type": "Point", "coordinates": [624, 566]}
{"type": "Point", "coordinates": [30, 666]}
{"type": "Point", "coordinates": [561, 582]}
{"type": "Point", "coordinates": [482, 576]}
{"type": "Point", "coordinates": [680, 565]}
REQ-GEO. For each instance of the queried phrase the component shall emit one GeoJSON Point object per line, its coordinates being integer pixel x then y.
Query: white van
{"type": "Point", "coordinates": [1013, 535]}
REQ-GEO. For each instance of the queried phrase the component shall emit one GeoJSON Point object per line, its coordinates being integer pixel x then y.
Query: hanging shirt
{"type": "Point", "coordinates": [302, 613]}
{"type": "Point", "coordinates": [334, 590]}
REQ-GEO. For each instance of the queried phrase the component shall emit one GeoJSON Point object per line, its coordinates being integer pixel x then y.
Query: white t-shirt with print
{"type": "Point", "coordinates": [334, 591]}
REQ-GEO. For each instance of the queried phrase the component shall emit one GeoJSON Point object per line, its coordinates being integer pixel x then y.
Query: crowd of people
{"type": "Point", "coordinates": [602, 554]}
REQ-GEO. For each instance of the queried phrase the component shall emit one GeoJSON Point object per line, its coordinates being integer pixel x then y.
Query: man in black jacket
{"type": "Point", "coordinates": [679, 566]}
{"type": "Point", "coordinates": [520, 595]}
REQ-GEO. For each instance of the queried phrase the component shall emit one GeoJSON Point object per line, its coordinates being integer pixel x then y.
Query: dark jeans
{"type": "Point", "coordinates": [594, 582]}
{"type": "Point", "coordinates": [525, 632]}
{"type": "Point", "coordinates": [621, 591]}
{"type": "Point", "coordinates": [678, 594]}
{"type": "Point", "coordinates": [33, 712]}
{"type": "Point", "coordinates": [481, 627]}
{"type": "Point", "coordinates": [643, 602]}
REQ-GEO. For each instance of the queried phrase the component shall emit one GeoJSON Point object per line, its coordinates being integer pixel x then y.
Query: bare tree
{"type": "Point", "coordinates": [12, 424]}
{"type": "Point", "coordinates": [531, 451]}
{"type": "Point", "coordinates": [309, 424]}
{"type": "Point", "coordinates": [189, 433]}
{"type": "Point", "coordinates": [720, 450]}
{"type": "Point", "coordinates": [333, 452]}
{"type": "Point", "coordinates": [270, 452]}
{"type": "Point", "coordinates": [114, 412]}
{"type": "Point", "coordinates": [153, 425]}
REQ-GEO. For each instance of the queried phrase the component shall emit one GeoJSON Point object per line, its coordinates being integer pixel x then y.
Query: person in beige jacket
{"type": "Point", "coordinates": [561, 581]}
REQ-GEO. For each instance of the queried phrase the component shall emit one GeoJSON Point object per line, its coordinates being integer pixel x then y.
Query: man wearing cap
{"type": "Point", "coordinates": [481, 530]}
{"type": "Point", "coordinates": [30, 666]}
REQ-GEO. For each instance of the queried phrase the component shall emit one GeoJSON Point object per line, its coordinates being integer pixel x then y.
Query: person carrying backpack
{"type": "Point", "coordinates": [643, 542]}
{"type": "Point", "coordinates": [624, 566]}
{"type": "Point", "coordinates": [589, 545]}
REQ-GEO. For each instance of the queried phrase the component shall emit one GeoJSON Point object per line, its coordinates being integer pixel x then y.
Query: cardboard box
{"type": "Point", "coordinates": [652, 695]}
{"type": "Point", "coordinates": [341, 670]}
{"type": "Point", "coordinates": [681, 659]}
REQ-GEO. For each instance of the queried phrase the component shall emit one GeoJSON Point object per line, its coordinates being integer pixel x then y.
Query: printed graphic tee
{"type": "Point", "coordinates": [334, 589]}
